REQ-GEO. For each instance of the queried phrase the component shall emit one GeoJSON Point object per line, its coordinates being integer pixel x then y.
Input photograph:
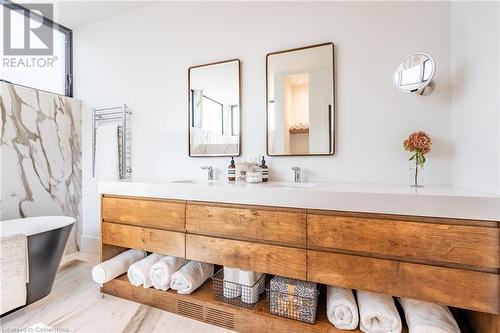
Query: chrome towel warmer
{"type": "Point", "coordinates": [119, 114]}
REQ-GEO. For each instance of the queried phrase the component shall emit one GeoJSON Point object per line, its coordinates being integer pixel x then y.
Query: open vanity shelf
{"type": "Point", "coordinates": [448, 261]}
{"type": "Point", "coordinates": [202, 306]}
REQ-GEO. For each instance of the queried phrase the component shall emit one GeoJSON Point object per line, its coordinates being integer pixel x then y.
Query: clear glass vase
{"type": "Point", "coordinates": [416, 175]}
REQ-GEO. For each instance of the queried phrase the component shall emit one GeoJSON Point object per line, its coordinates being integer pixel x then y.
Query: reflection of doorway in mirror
{"type": "Point", "coordinates": [301, 108]}
{"type": "Point", "coordinates": [297, 112]}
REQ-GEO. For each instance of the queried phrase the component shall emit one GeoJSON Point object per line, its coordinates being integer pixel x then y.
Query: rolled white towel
{"type": "Point", "coordinates": [250, 294]}
{"type": "Point", "coordinates": [250, 291]}
{"type": "Point", "coordinates": [116, 266]}
{"type": "Point", "coordinates": [161, 272]}
{"type": "Point", "coordinates": [424, 317]}
{"type": "Point", "coordinates": [378, 313]}
{"type": "Point", "coordinates": [138, 273]}
{"type": "Point", "coordinates": [191, 276]}
{"type": "Point", "coordinates": [248, 278]}
{"type": "Point", "coordinates": [231, 287]}
{"type": "Point", "coordinates": [341, 308]}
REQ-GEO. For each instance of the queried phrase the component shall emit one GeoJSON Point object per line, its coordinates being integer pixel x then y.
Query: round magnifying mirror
{"type": "Point", "coordinates": [415, 74]}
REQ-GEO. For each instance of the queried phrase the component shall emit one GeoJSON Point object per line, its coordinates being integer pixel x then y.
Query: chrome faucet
{"type": "Point", "coordinates": [297, 175]}
{"type": "Point", "coordinates": [210, 172]}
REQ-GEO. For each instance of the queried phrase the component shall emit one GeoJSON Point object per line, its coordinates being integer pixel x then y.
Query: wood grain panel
{"type": "Point", "coordinates": [147, 239]}
{"type": "Point", "coordinates": [480, 322]}
{"type": "Point", "coordinates": [279, 260]}
{"type": "Point", "coordinates": [110, 251]}
{"type": "Point", "coordinates": [465, 289]}
{"type": "Point", "coordinates": [411, 218]}
{"type": "Point", "coordinates": [164, 214]}
{"type": "Point", "coordinates": [247, 223]}
{"type": "Point", "coordinates": [468, 245]}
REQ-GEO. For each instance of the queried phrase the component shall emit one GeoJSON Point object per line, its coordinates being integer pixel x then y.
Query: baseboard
{"type": "Point", "coordinates": [89, 244]}
{"type": "Point", "coordinates": [79, 256]}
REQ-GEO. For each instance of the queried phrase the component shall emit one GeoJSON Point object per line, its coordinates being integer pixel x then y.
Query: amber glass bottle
{"type": "Point", "coordinates": [231, 171]}
{"type": "Point", "coordinates": [265, 170]}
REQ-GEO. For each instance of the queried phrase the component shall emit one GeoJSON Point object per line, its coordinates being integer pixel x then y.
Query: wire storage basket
{"type": "Point", "coordinates": [292, 306]}
{"type": "Point", "coordinates": [235, 293]}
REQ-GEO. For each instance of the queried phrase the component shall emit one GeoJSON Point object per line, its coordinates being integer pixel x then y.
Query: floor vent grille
{"type": "Point", "coordinates": [220, 318]}
{"type": "Point", "coordinates": [190, 310]}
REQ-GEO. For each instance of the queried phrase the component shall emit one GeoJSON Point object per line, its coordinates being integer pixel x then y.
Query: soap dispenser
{"type": "Point", "coordinates": [231, 171]}
{"type": "Point", "coordinates": [265, 170]}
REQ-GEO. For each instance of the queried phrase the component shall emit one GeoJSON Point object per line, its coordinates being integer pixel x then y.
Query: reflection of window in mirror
{"type": "Point", "coordinates": [427, 70]}
{"type": "Point", "coordinates": [417, 70]}
{"type": "Point", "coordinates": [214, 119]}
{"type": "Point", "coordinates": [213, 115]}
{"type": "Point", "coordinates": [411, 75]}
{"type": "Point", "coordinates": [415, 73]}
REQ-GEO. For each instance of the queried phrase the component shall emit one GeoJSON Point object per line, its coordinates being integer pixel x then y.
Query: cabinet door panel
{"type": "Point", "coordinates": [279, 260]}
{"type": "Point", "coordinates": [162, 214]}
{"type": "Point", "coordinates": [460, 288]}
{"type": "Point", "coordinates": [467, 245]}
{"type": "Point", "coordinates": [239, 222]}
{"type": "Point", "coordinates": [147, 239]}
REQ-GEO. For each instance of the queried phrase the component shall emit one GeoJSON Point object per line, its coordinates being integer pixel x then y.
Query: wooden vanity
{"type": "Point", "coordinates": [442, 260]}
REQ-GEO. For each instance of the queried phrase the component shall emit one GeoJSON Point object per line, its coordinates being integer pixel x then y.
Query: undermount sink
{"type": "Point", "coordinates": [270, 184]}
{"type": "Point", "coordinates": [291, 184]}
{"type": "Point", "coordinates": [194, 181]}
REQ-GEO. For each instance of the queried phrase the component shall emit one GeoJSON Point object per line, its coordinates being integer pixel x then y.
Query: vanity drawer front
{"type": "Point", "coordinates": [147, 239]}
{"type": "Point", "coordinates": [458, 244]}
{"type": "Point", "coordinates": [279, 260]}
{"type": "Point", "coordinates": [286, 226]}
{"type": "Point", "coordinates": [163, 214]}
{"type": "Point", "coordinates": [461, 288]}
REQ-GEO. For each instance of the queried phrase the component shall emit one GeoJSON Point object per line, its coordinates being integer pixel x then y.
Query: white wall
{"type": "Point", "coordinates": [141, 58]}
{"type": "Point", "coordinates": [475, 59]}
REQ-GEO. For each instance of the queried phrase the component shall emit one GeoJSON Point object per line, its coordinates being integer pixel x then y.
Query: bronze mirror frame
{"type": "Point", "coordinates": [239, 106]}
{"type": "Point", "coordinates": [333, 111]}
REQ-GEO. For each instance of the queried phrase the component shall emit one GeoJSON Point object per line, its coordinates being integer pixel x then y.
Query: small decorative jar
{"type": "Point", "coordinates": [254, 175]}
{"type": "Point", "coordinates": [241, 171]}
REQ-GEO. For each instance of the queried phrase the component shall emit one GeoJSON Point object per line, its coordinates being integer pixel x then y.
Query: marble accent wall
{"type": "Point", "coordinates": [40, 156]}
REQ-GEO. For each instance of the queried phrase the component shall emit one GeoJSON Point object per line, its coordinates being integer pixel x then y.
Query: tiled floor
{"type": "Point", "coordinates": [76, 305]}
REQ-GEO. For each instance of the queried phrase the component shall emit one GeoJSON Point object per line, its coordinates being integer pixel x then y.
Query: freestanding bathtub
{"type": "Point", "coordinates": [47, 237]}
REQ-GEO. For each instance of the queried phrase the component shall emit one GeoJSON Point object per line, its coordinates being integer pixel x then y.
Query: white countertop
{"type": "Point", "coordinates": [432, 200]}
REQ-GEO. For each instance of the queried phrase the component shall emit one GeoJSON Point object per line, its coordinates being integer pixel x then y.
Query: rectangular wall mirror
{"type": "Point", "coordinates": [300, 101]}
{"type": "Point", "coordinates": [214, 109]}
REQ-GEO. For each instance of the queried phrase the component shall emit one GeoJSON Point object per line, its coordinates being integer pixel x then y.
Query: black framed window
{"type": "Point", "coordinates": [38, 53]}
{"type": "Point", "coordinates": [191, 100]}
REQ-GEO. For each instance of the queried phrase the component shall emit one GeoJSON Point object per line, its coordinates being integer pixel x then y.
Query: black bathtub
{"type": "Point", "coordinates": [47, 238]}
